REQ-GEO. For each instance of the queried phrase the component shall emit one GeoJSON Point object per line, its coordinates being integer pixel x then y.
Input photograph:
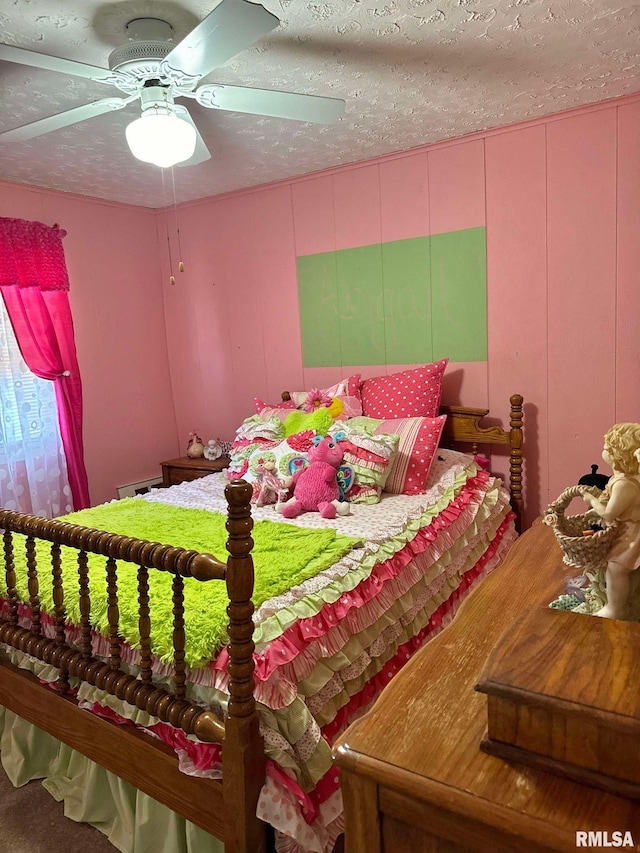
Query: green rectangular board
{"type": "Point", "coordinates": [402, 302]}
{"type": "Point", "coordinates": [459, 294]}
{"type": "Point", "coordinates": [406, 277]}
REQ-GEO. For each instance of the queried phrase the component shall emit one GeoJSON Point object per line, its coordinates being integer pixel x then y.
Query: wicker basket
{"type": "Point", "coordinates": [588, 553]}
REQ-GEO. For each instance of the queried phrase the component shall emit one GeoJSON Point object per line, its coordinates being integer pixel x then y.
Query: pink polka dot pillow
{"type": "Point", "coordinates": [417, 448]}
{"type": "Point", "coordinates": [270, 410]}
{"type": "Point", "coordinates": [409, 394]}
{"type": "Point", "coordinates": [345, 388]}
{"type": "Point", "coordinates": [260, 405]}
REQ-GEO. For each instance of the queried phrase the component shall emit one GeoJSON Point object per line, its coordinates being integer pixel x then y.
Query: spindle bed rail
{"type": "Point", "coordinates": [227, 808]}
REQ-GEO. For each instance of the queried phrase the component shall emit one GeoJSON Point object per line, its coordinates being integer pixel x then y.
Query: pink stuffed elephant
{"type": "Point", "coordinates": [315, 488]}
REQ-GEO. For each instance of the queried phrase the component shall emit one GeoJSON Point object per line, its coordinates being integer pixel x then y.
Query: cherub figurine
{"type": "Point", "coordinates": [621, 501]}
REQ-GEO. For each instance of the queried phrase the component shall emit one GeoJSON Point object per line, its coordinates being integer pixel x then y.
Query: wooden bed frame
{"type": "Point", "coordinates": [226, 808]}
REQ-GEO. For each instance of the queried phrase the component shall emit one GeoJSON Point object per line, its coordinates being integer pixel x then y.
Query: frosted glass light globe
{"type": "Point", "coordinates": [161, 138]}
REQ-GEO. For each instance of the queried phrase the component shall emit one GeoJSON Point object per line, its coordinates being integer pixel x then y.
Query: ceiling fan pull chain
{"type": "Point", "coordinates": [175, 211]}
{"type": "Point", "coordinates": [172, 278]}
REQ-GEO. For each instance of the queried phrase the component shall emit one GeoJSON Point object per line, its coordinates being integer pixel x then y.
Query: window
{"type": "Point", "coordinates": [33, 470]}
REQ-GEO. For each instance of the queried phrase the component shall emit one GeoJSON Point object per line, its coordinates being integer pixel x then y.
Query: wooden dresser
{"type": "Point", "coordinates": [178, 470]}
{"type": "Point", "coordinates": [413, 777]}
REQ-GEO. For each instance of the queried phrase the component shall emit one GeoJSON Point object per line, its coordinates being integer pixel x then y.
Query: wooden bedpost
{"type": "Point", "coordinates": [515, 464]}
{"type": "Point", "coordinates": [243, 748]}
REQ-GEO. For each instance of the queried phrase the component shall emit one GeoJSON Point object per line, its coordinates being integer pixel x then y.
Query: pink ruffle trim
{"type": "Point", "coordinates": [438, 620]}
{"type": "Point", "coordinates": [295, 639]}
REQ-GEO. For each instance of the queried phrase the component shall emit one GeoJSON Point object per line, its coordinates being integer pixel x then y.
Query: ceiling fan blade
{"type": "Point", "coordinates": [201, 153]}
{"type": "Point", "coordinates": [231, 27]}
{"type": "Point", "coordinates": [268, 103]}
{"type": "Point", "coordinates": [56, 63]}
{"type": "Point", "coordinates": [46, 125]}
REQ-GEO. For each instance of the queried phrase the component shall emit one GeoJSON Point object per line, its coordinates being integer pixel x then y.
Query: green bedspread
{"type": "Point", "coordinates": [284, 556]}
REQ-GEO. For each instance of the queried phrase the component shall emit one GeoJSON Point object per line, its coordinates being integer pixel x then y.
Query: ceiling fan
{"type": "Point", "coordinates": [150, 68]}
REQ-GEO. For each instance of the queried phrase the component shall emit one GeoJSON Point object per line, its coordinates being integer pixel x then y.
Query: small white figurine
{"type": "Point", "coordinates": [621, 501]}
{"type": "Point", "coordinates": [213, 450]}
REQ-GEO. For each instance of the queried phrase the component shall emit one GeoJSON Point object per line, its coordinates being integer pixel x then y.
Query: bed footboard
{"type": "Point", "coordinates": [227, 809]}
{"type": "Point", "coordinates": [132, 755]}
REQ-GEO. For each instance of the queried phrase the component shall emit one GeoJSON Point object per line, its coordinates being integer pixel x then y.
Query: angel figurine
{"type": "Point", "coordinates": [620, 501]}
{"type": "Point", "coordinates": [213, 449]}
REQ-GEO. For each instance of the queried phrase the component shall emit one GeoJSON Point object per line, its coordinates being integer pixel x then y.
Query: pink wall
{"type": "Point", "coordinates": [560, 199]}
{"type": "Point", "coordinates": [118, 311]}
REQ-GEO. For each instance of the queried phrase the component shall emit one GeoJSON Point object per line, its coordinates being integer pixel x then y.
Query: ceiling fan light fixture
{"type": "Point", "coordinates": [161, 137]}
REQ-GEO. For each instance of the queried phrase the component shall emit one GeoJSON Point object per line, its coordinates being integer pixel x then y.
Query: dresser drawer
{"type": "Point", "coordinates": [180, 475]}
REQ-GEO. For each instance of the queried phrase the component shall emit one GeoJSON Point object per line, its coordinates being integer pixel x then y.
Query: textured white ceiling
{"type": "Point", "coordinates": [411, 72]}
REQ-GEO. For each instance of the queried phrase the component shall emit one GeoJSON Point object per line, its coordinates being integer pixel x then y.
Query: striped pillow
{"type": "Point", "coordinates": [417, 447]}
{"type": "Point", "coordinates": [370, 468]}
{"type": "Point", "coordinates": [369, 456]}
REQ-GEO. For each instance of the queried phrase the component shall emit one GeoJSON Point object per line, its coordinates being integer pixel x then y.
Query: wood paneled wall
{"type": "Point", "coordinates": [560, 199]}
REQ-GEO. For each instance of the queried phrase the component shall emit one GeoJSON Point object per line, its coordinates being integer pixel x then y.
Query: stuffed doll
{"type": "Point", "coordinates": [272, 488]}
{"type": "Point", "coordinates": [316, 487]}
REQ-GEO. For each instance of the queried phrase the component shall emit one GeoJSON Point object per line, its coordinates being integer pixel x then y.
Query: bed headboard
{"type": "Point", "coordinates": [463, 427]}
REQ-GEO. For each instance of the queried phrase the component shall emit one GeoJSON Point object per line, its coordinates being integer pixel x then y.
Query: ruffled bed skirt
{"type": "Point", "coordinates": [132, 821]}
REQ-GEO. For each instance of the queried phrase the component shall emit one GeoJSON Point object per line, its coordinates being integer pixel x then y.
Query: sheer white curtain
{"type": "Point", "coordinates": [33, 469]}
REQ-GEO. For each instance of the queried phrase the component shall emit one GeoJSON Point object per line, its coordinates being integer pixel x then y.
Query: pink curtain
{"type": "Point", "coordinates": [35, 287]}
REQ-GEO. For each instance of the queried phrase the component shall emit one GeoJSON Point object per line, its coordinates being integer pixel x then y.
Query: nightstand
{"type": "Point", "coordinates": [179, 470]}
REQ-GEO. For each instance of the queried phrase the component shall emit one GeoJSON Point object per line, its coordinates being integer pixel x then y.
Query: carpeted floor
{"type": "Point", "coordinates": [32, 822]}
